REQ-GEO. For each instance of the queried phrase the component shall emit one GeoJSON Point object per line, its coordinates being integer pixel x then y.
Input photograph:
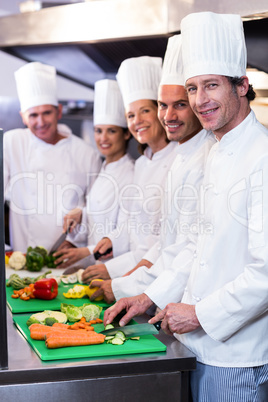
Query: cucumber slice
{"type": "Point", "coordinates": [120, 335]}
{"type": "Point", "coordinates": [117, 341]}
{"type": "Point", "coordinates": [107, 338]}
{"type": "Point", "coordinates": [109, 326]}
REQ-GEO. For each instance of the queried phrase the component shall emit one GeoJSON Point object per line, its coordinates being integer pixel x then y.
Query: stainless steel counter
{"type": "Point", "coordinates": [138, 377]}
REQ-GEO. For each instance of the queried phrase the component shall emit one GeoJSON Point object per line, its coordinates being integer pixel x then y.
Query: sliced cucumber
{"type": "Point", "coordinates": [109, 326]}
{"type": "Point", "coordinates": [117, 341]}
{"type": "Point", "coordinates": [108, 338]}
{"type": "Point", "coordinates": [120, 335]}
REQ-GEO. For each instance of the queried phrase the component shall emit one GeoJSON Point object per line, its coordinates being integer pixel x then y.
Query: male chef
{"type": "Point", "coordinates": [181, 205]}
{"type": "Point", "coordinates": [47, 169]}
{"type": "Point", "coordinates": [222, 314]}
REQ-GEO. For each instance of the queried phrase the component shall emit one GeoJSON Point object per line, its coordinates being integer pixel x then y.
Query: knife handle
{"type": "Point", "coordinates": [158, 325]}
{"type": "Point", "coordinates": [97, 255]}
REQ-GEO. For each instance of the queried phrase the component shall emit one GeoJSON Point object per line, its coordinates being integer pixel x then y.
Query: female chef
{"type": "Point", "coordinates": [138, 79]}
{"type": "Point", "coordinates": [101, 212]}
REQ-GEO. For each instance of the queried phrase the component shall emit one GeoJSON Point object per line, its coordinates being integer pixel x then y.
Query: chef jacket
{"type": "Point", "coordinates": [100, 216]}
{"type": "Point", "coordinates": [180, 209]}
{"type": "Point", "coordinates": [229, 269]}
{"type": "Point", "coordinates": [44, 182]}
{"type": "Point", "coordinates": [142, 228]}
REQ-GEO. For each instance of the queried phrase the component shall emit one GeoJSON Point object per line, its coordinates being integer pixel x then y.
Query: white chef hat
{"type": "Point", "coordinates": [139, 78]}
{"type": "Point", "coordinates": [172, 72]}
{"type": "Point", "coordinates": [108, 104]}
{"type": "Point", "coordinates": [213, 44]}
{"type": "Point", "coordinates": [36, 85]}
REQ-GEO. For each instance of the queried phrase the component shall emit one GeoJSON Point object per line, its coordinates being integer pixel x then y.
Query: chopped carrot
{"type": "Point", "coordinates": [15, 296]}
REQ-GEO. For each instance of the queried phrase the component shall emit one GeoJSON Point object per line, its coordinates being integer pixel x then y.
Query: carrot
{"type": "Point", "coordinates": [60, 325]}
{"type": "Point", "coordinates": [72, 334]}
{"type": "Point", "coordinates": [15, 296]}
{"type": "Point", "coordinates": [54, 342]}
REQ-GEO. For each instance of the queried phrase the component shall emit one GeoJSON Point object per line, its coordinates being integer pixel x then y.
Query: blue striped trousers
{"type": "Point", "coordinates": [229, 384]}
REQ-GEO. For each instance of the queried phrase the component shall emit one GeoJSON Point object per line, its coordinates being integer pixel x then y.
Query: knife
{"type": "Point", "coordinates": [59, 241]}
{"type": "Point", "coordinates": [135, 330]}
{"type": "Point", "coordinates": [97, 255]}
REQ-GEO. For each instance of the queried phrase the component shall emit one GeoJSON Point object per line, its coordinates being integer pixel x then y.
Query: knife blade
{"type": "Point", "coordinates": [135, 330]}
{"type": "Point", "coordinates": [59, 241]}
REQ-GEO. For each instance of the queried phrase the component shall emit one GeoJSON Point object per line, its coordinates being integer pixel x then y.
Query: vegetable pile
{"type": "Point", "coordinates": [37, 258]}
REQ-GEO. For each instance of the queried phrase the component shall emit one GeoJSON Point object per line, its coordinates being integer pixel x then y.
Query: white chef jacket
{"type": "Point", "coordinates": [180, 216]}
{"type": "Point", "coordinates": [100, 216]}
{"type": "Point", "coordinates": [229, 275]}
{"type": "Point", "coordinates": [142, 228]}
{"type": "Point", "coordinates": [44, 182]}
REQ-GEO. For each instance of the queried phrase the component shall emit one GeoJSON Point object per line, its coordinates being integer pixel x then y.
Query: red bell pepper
{"type": "Point", "coordinates": [46, 288]}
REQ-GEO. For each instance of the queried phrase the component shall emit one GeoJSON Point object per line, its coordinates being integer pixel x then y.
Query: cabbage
{"type": "Point", "coordinates": [91, 312]}
{"type": "Point", "coordinates": [73, 313]}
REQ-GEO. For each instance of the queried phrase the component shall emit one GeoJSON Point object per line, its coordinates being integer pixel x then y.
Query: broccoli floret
{"type": "Point", "coordinates": [50, 321]}
{"type": "Point", "coordinates": [31, 321]}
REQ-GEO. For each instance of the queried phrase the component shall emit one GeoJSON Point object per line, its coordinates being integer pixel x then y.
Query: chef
{"type": "Point", "coordinates": [47, 169]}
{"type": "Point", "coordinates": [221, 311]}
{"type": "Point", "coordinates": [101, 213]}
{"type": "Point", "coordinates": [138, 80]}
{"type": "Point", "coordinates": [181, 202]}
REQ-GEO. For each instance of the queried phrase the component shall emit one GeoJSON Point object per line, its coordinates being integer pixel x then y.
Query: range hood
{"type": "Point", "coordinates": [88, 41]}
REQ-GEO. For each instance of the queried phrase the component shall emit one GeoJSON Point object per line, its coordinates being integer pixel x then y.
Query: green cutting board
{"type": "Point", "coordinates": [35, 305]}
{"type": "Point", "coordinates": [146, 344]}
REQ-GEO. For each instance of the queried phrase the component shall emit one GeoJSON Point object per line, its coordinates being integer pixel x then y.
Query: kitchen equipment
{"type": "Point", "coordinates": [135, 330]}
{"type": "Point", "coordinates": [97, 255]}
{"type": "Point", "coordinates": [72, 270]}
{"type": "Point", "coordinates": [146, 344]}
{"type": "Point", "coordinates": [59, 241]}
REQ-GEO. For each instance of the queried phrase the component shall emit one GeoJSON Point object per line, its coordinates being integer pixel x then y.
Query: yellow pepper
{"type": "Point", "coordinates": [90, 291]}
{"type": "Point", "coordinates": [77, 292]}
{"type": "Point", "coordinates": [6, 259]}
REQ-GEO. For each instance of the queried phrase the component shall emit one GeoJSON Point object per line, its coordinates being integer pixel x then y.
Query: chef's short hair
{"type": "Point", "coordinates": [236, 81]}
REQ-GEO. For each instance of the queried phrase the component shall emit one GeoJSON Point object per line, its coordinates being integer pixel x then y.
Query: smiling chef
{"type": "Point", "coordinates": [47, 169]}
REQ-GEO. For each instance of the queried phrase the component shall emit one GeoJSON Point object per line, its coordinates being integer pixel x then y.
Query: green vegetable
{"type": "Point", "coordinates": [50, 321]}
{"type": "Point", "coordinates": [34, 260]}
{"type": "Point", "coordinates": [42, 318]}
{"type": "Point", "coordinates": [120, 335]}
{"type": "Point", "coordinates": [73, 313]}
{"type": "Point", "coordinates": [109, 326]}
{"type": "Point", "coordinates": [49, 261]}
{"type": "Point", "coordinates": [44, 275]}
{"type": "Point", "coordinates": [117, 341]}
{"type": "Point", "coordinates": [16, 282]}
{"type": "Point", "coordinates": [32, 320]}
{"type": "Point", "coordinates": [91, 312]}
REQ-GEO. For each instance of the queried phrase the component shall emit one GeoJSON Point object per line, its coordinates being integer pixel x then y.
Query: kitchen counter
{"type": "Point", "coordinates": [139, 377]}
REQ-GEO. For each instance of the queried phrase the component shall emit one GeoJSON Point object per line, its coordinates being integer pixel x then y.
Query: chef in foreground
{"type": "Point", "coordinates": [222, 314]}
{"type": "Point", "coordinates": [47, 169]}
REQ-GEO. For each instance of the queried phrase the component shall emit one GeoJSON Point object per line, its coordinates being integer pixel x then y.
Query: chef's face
{"type": "Point", "coordinates": [216, 104]}
{"type": "Point", "coordinates": [144, 125]}
{"type": "Point", "coordinates": [175, 113]}
{"type": "Point", "coordinates": [42, 121]}
{"type": "Point", "coordinates": [111, 141]}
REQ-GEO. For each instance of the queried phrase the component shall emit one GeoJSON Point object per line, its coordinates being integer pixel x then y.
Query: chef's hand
{"type": "Point", "coordinates": [73, 218]}
{"type": "Point", "coordinates": [103, 246]}
{"type": "Point", "coordinates": [98, 271]}
{"type": "Point", "coordinates": [142, 263]}
{"type": "Point", "coordinates": [69, 256]}
{"type": "Point", "coordinates": [136, 305]}
{"type": "Point", "coordinates": [105, 289]}
{"type": "Point", "coordinates": [64, 245]}
{"type": "Point", "coordinates": [177, 318]}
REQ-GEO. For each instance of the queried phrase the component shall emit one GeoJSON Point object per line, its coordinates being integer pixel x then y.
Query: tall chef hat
{"type": "Point", "coordinates": [213, 44]}
{"type": "Point", "coordinates": [108, 104]}
{"type": "Point", "coordinates": [172, 72]}
{"type": "Point", "coordinates": [36, 85]}
{"type": "Point", "coordinates": [139, 78]}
